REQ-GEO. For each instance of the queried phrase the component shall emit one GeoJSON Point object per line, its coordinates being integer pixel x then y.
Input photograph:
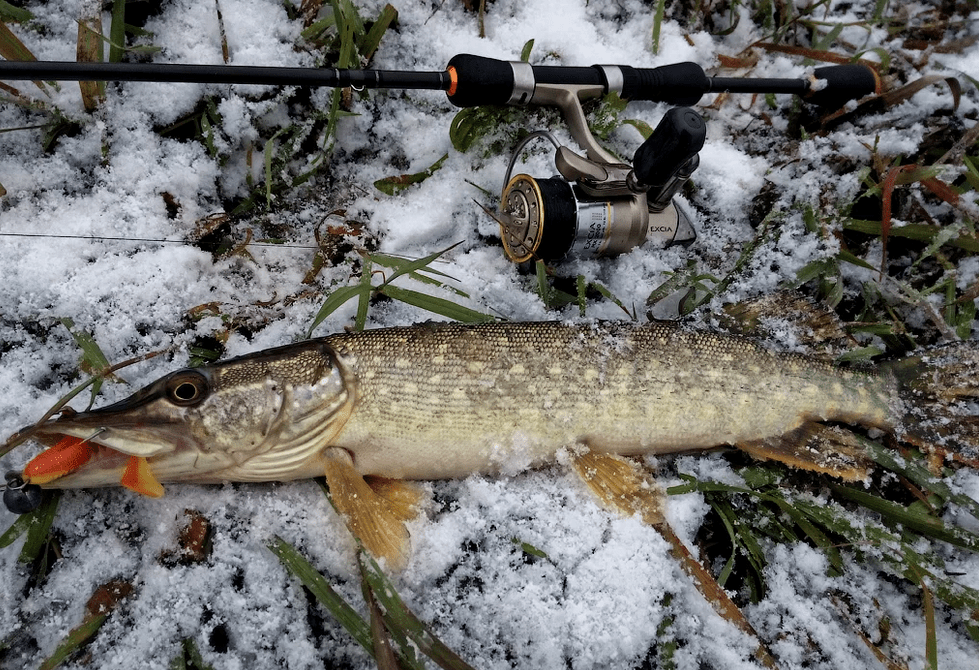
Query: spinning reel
{"type": "Point", "coordinates": [599, 206]}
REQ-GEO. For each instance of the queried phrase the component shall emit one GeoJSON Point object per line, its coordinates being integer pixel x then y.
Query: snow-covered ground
{"type": "Point", "coordinates": [608, 582]}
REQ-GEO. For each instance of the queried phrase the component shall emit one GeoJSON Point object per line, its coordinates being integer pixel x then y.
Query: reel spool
{"type": "Point", "coordinates": [575, 224]}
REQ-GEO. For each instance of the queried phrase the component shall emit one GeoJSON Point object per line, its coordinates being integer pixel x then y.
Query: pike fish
{"type": "Point", "coordinates": [375, 408]}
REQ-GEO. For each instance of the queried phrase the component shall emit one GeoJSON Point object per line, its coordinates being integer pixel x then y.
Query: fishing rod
{"type": "Point", "coordinates": [598, 205]}
{"type": "Point", "coordinates": [473, 80]}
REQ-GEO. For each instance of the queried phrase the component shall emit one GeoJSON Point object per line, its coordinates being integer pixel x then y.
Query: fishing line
{"type": "Point", "coordinates": [109, 238]}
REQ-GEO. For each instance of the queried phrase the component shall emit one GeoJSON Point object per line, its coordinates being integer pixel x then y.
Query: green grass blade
{"type": "Point", "coordinates": [918, 474]}
{"type": "Point", "coordinates": [393, 185]}
{"type": "Point", "coordinates": [395, 263]}
{"type": "Point", "coordinates": [543, 286]}
{"type": "Point", "coordinates": [318, 27]}
{"type": "Point", "coordinates": [333, 302]}
{"type": "Point", "coordinates": [384, 635]}
{"type": "Point", "coordinates": [732, 535]}
{"type": "Point", "coordinates": [17, 528]}
{"type": "Point", "coordinates": [352, 622]}
{"type": "Point", "coordinates": [348, 22]}
{"type": "Point", "coordinates": [397, 616]}
{"type": "Point", "coordinates": [666, 637]}
{"type": "Point", "coordinates": [644, 128]}
{"type": "Point", "coordinates": [40, 527]}
{"type": "Point", "coordinates": [525, 51]}
{"type": "Point", "coordinates": [73, 641]}
{"type": "Point", "coordinates": [364, 297]}
{"type": "Point", "coordinates": [920, 232]}
{"type": "Point", "coordinates": [658, 23]}
{"type": "Point", "coordinates": [193, 655]}
{"type": "Point", "coordinates": [918, 522]}
{"type": "Point", "coordinates": [94, 361]}
{"type": "Point", "coordinates": [11, 48]}
{"type": "Point", "coordinates": [931, 641]}
{"type": "Point", "coordinates": [812, 531]}
{"type": "Point", "coordinates": [676, 280]}
{"type": "Point", "coordinates": [608, 295]}
{"type": "Point", "coordinates": [437, 305]}
{"type": "Point", "coordinates": [372, 40]}
{"type": "Point", "coordinates": [15, 14]}
{"type": "Point", "coordinates": [417, 265]}
{"type": "Point", "coordinates": [117, 31]}
{"type": "Point", "coordinates": [267, 154]}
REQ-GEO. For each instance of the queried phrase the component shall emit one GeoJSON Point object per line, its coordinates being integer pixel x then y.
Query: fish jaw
{"type": "Point", "coordinates": [97, 448]}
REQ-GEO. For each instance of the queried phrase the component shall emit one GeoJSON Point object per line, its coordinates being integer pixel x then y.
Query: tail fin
{"type": "Point", "coordinates": [940, 391]}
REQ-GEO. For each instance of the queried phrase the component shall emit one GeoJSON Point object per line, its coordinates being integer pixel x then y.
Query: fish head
{"type": "Point", "coordinates": [260, 417]}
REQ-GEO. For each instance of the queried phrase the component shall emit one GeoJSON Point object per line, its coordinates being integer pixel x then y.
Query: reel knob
{"type": "Point", "coordinates": [668, 158]}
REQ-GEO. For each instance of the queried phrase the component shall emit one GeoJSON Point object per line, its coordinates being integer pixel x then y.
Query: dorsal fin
{"type": "Point", "coordinates": [812, 324]}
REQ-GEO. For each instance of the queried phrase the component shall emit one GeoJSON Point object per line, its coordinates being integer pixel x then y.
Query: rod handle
{"type": "Point", "coordinates": [842, 84]}
{"type": "Point", "coordinates": [676, 84]}
{"type": "Point", "coordinates": [478, 80]}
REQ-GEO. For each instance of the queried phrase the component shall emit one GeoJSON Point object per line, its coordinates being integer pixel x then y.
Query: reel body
{"type": "Point", "coordinates": [596, 205]}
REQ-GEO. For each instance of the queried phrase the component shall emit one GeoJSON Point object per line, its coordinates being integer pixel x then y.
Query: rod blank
{"type": "Point", "coordinates": [220, 74]}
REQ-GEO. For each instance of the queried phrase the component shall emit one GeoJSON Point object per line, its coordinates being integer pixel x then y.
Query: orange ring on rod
{"type": "Point", "coordinates": [453, 81]}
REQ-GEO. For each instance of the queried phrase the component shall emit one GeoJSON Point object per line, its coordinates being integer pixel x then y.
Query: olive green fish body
{"type": "Point", "coordinates": [448, 400]}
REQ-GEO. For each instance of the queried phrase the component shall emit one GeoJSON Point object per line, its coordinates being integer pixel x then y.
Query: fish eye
{"type": "Point", "coordinates": [186, 388]}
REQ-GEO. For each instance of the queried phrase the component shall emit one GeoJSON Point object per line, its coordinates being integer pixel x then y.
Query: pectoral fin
{"type": "Point", "coordinates": [371, 517]}
{"type": "Point", "coordinates": [402, 498]}
{"type": "Point", "coordinates": [621, 484]}
{"type": "Point", "coordinates": [817, 447]}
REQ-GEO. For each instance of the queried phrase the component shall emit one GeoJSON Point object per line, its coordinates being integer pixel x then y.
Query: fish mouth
{"type": "Point", "coordinates": [97, 449]}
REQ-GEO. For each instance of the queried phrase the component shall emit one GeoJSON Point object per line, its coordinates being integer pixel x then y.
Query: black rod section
{"type": "Point", "coordinates": [220, 74]}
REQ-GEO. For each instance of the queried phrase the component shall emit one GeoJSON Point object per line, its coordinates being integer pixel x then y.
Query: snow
{"type": "Point", "coordinates": [607, 583]}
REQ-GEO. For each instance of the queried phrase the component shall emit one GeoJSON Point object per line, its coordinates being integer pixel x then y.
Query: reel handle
{"type": "Point", "coordinates": [478, 80]}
